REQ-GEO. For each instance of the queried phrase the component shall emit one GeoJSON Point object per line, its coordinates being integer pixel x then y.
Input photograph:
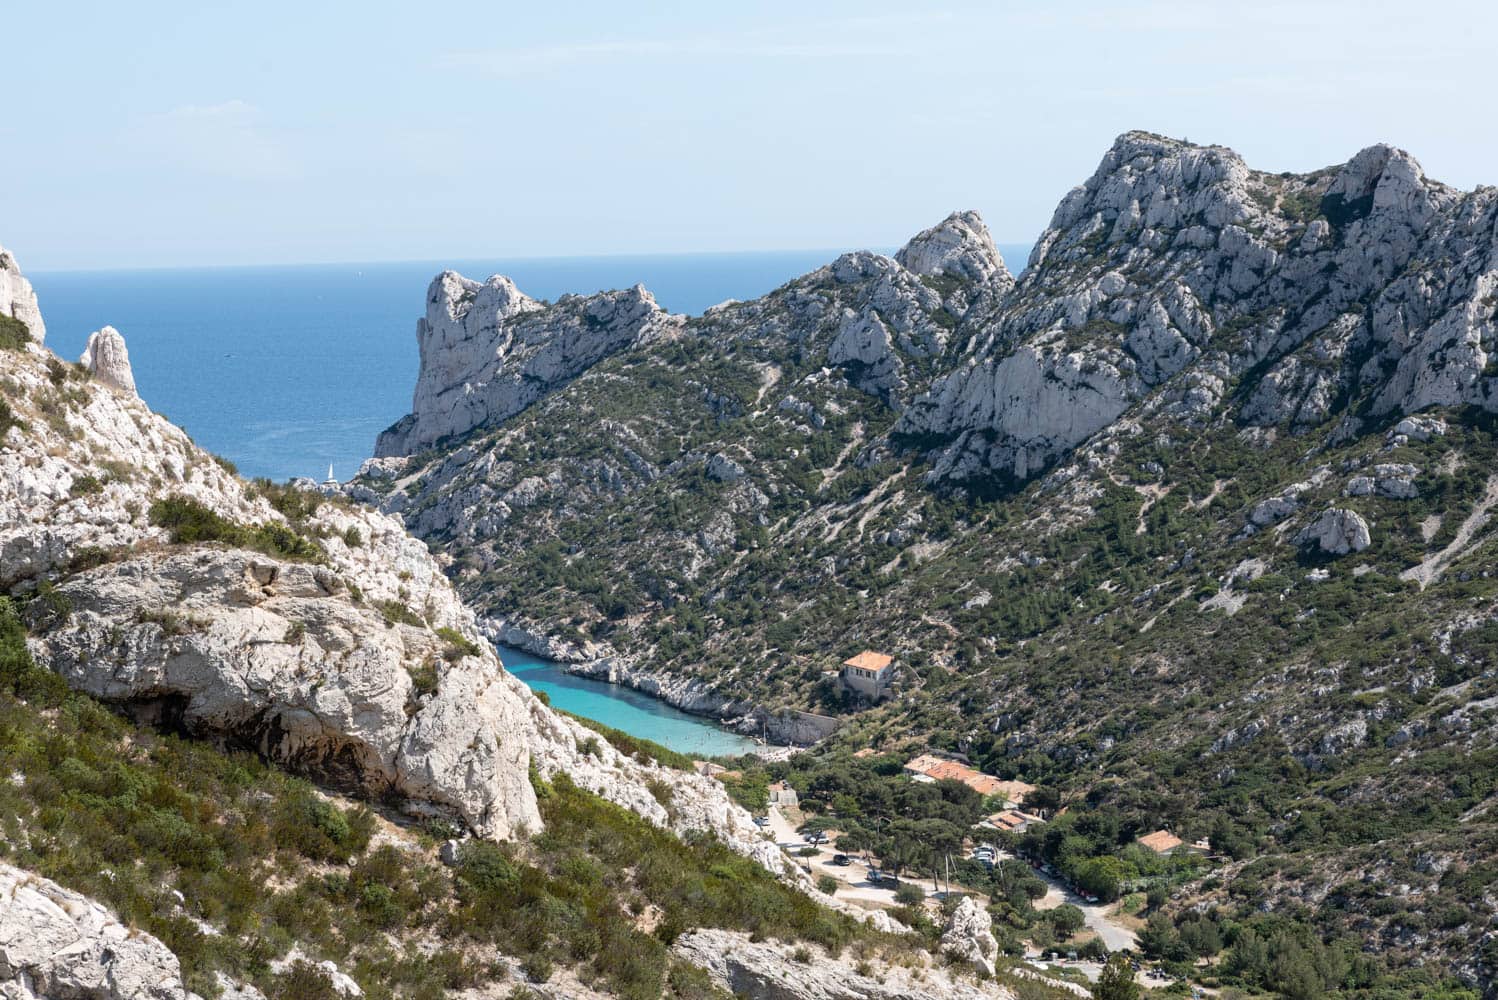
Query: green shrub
{"type": "Point", "coordinates": [458, 645]}
{"type": "Point", "coordinates": [189, 522]}
{"type": "Point", "coordinates": [424, 679]}
{"type": "Point", "coordinates": [14, 334]}
{"type": "Point", "coordinates": [8, 419]}
{"type": "Point", "coordinates": [397, 613]}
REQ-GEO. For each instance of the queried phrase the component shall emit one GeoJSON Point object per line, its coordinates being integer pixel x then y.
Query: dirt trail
{"type": "Point", "coordinates": [1429, 570]}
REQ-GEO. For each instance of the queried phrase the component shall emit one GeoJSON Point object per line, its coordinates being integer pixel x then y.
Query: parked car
{"type": "Point", "coordinates": [761, 821]}
{"type": "Point", "coordinates": [841, 860]}
{"type": "Point", "coordinates": [816, 837]}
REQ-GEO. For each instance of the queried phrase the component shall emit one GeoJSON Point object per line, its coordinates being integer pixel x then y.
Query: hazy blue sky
{"type": "Point", "coordinates": [163, 133]}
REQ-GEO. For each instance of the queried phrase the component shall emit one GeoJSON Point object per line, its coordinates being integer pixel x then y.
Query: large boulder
{"type": "Point", "coordinates": [1336, 532]}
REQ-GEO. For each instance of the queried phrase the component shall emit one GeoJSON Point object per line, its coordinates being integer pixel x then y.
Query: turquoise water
{"type": "Point", "coordinates": [624, 708]}
{"type": "Point", "coordinates": [286, 369]}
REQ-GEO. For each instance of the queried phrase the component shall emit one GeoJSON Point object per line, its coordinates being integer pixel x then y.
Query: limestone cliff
{"type": "Point", "coordinates": [17, 299]}
{"type": "Point", "coordinates": [1176, 271]}
{"type": "Point", "coordinates": [488, 351]}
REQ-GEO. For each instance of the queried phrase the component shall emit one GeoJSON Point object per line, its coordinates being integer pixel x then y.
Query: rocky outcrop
{"type": "Point", "coordinates": [969, 936]}
{"type": "Point", "coordinates": [958, 247]}
{"type": "Point", "coordinates": [275, 656]}
{"type": "Point", "coordinates": [17, 299]}
{"type": "Point", "coordinates": [1336, 532]}
{"type": "Point", "coordinates": [106, 358]}
{"type": "Point", "coordinates": [56, 944]}
{"type": "Point", "coordinates": [1173, 262]}
{"type": "Point", "coordinates": [766, 970]}
{"type": "Point", "coordinates": [488, 351]}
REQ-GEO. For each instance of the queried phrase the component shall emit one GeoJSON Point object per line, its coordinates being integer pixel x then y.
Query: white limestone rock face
{"type": "Point", "coordinates": [959, 247]}
{"type": "Point", "coordinates": [1179, 268]}
{"type": "Point", "coordinates": [18, 299]}
{"type": "Point", "coordinates": [969, 936]}
{"type": "Point", "coordinates": [1336, 532]}
{"type": "Point", "coordinates": [56, 944]}
{"type": "Point", "coordinates": [108, 360]}
{"type": "Point", "coordinates": [488, 351]}
{"type": "Point", "coordinates": [276, 656]}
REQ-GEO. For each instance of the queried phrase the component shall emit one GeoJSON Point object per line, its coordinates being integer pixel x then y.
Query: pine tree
{"type": "Point", "coordinates": [1116, 981]}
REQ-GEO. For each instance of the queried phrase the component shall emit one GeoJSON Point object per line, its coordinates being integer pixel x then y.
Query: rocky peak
{"type": "Point", "coordinates": [489, 351]}
{"type": "Point", "coordinates": [17, 299]}
{"type": "Point", "coordinates": [108, 360]}
{"type": "Point", "coordinates": [1177, 265]}
{"type": "Point", "coordinates": [957, 247]}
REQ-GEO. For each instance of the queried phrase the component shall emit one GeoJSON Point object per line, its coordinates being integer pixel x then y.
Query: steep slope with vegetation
{"type": "Point", "coordinates": [183, 652]}
{"type": "Point", "coordinates": [1189, 526]}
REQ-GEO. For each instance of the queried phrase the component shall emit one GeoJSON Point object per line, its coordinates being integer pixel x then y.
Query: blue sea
{"type": "Point", "coordinates": [613, 705]}
{"type": "Point", "coordinates": [285, 370]}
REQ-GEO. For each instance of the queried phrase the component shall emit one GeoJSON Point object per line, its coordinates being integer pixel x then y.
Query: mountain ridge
{"type": "Point", "coordinates": [1172, 497]}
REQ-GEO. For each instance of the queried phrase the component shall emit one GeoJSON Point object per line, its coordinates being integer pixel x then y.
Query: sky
{"type": "Point", "coordinates": [163, 134]}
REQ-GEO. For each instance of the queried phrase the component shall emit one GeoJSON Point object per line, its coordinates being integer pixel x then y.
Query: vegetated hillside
{"type": "Point", "coordinates": [176, 643]}
{"type": "Point", "coordinates": [1149, 526]}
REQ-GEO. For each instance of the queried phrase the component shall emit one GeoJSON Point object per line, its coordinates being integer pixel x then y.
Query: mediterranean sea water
{"type": "Point", "coordinates": [623, 708]}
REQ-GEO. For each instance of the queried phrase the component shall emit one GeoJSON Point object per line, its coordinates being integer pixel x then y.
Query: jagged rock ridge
{"type": "Point", "coordinates": [488, 351]}
{"type": "Point", "coordinates": [1179, 272]}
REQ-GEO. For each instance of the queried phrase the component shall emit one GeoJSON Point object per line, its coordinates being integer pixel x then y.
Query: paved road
{"type": "Point", "coordinates": [1097, 917]}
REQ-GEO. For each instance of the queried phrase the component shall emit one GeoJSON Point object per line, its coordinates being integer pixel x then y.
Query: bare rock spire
{"type": "Point", "coordinates": [108, 360]}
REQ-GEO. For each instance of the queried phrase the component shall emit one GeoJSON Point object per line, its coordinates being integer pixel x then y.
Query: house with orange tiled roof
{"type": "Point", "coordinates": [868, 674]}
{"type": "Point", "coordinates": [1161, 841]}
{"type": "Point", "coordinates": [1015, 792]}
{"type": "Point", "coordinates": [1011, 821]}
{"type": "Point", "coordinates": [929, 767]}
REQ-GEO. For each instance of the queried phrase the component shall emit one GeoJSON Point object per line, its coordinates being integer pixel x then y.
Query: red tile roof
{"type": "Point", "coordinates": [869, 660]}
{"type": "Point", "coordinates": [1161, 841]}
